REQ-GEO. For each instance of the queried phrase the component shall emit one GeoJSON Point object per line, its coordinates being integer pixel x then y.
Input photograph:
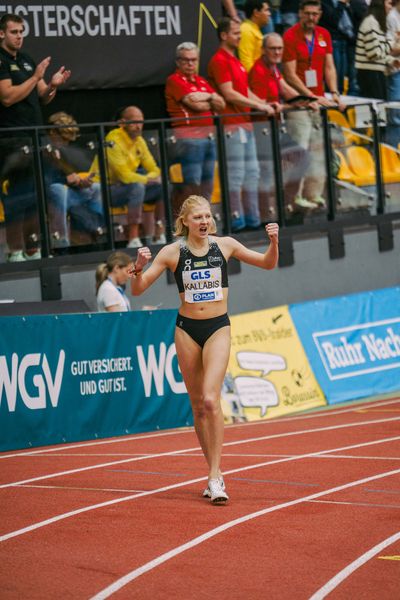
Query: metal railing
{"type": "Point", "coordinates": [373, 202]}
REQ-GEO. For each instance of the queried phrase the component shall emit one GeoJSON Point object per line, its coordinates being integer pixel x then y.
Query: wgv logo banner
{"type": "Point", "coordinates": [353, 342]}
{"type": "Point", "coordinates": [74, 377]}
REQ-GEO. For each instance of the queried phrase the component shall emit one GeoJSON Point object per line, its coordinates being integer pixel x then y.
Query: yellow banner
{"type": "Point", "coordinates": [268, 373]}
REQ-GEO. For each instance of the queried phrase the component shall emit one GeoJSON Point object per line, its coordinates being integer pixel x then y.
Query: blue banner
{"type": "Point", "coordinates": [352, 343]}
{"type": "Point", "coordinates": [74, 377]}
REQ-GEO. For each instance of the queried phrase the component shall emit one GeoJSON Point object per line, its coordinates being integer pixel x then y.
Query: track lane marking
{"type": "Point", "coordinates": [175, 452]}
{"type": "Point", "coordinates": [135, 437]}
{"type": "Point", "coordinates": [81, 489]}
{"type": "Point", "coordinates": [353, 566]}
{"type": "Point", "coordinates": [174, 486]}
{"type": "Point", "coordinates": [163, 558]}
{"type": "Point", "coordinates": [365, 504]}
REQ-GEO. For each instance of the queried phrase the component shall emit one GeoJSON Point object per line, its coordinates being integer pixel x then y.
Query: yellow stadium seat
{"type": "Point", "coordinates": [339, 119]}
{"type": "Point", "coordinates": [175, 173]}
{"type": "Point", "coordinates": [345, 173]}
{"type": "Point", "coordinates": [119, 210]}
{"type": "Point", "coordinates": [4, 191]}
{"type": "Point", "coordinates": [362, 164]}
{"type": "Point", "coordinates": [352, 117]}
{"type": "Point", "coordinates": [390, 162]}
{"type": "Point", "coordinates": [216, 193]}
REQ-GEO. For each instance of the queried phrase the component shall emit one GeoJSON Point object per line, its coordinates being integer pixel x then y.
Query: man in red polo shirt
{"type": "Point", "coordinates": [229, 77]}
{"type": "Point", "coordinates": [188, 95]}
{"type": "Point", "coordinates": [266, 81]}
{"type": "Point", "coordinates": [307, 66]}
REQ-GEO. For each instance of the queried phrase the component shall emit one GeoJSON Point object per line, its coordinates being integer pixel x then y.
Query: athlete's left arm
{"type": "Point", "coordinates": [268, 260]}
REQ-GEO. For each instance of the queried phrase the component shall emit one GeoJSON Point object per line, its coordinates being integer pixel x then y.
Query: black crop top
{"type": "Point", "coordinates": [201, 278]}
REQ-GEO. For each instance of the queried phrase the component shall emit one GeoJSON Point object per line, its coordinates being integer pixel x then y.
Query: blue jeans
{"type": "Point", "coordinates": [354, 89]}
{"type": "Point", "coordinates": [21, 214]}
{"type": "Point", "coordinates": [392, 136]}
{"type": "Point", "coordinates": [340, 60]}
{"type": "Point", "coordinates": [63, 199]}
{"type": "Point", "coordinates": [130, 195]}
{"type": "Point", "coordinates": [288, 19]}
{"type": "Point", "coordinates": [197, 158]}
{"type": "Point", "coordinates": [344, 57]}
{"type": "Point", "coordinates": [243, 177]}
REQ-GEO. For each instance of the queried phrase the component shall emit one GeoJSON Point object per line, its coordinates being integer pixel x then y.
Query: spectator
{"type": "Point", "coordinates": [267, 83]}
{"type": "Point", "coordinates": [393, 81]}
{"type": "Point", "coordinates": [22, 90]}
{"type": "Point", "coordinates": [257, 16]}
{"type": "Point", "coordinates": [132, 170]}
{"type": "Point", "coordinates": [337, 18]}
{"type": "Point", "coordinates": [189, 95]}
{"type": "Point", "coordinates": [229, 77]}
{"type": "Point", "coordinates": [374, 51]}
{"type": "Point", "coordinates": [234, 9]}
{"type": "Point", "coordinates": [307, 64]}
{"type": "Point", "coordinates": [359, 9]}
{"type": "Point", "coordinates": [111, 278]}
{"type": "Point", "coordinates": [276, 17]}
{"type": "Point", "coordinates": [289, 13]}
{"type": "Point", "coordinates": [70, 192]}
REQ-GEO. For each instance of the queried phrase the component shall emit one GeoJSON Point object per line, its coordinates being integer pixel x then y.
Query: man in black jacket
{"type": "Point", "coordinates": [22, 91]}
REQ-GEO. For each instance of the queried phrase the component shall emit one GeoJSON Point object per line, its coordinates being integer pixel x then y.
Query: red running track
{"type": "Point", "coordinates": [314, 513]}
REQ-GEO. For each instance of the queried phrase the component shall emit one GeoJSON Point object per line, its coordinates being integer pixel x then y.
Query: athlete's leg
{"type": "Point", "coordinates": [191, 365]}
{"type": "Point", "coordinates": [215, 362]}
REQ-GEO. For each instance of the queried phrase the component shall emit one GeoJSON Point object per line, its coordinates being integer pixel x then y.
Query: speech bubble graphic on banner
{"type": "Point", "coordinates": [256, 392]}
{"type": "Point", "coordinates": [261, 361]}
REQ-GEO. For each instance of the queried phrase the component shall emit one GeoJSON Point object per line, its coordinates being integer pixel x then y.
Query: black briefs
{"type": "Point", "coordinates": [201, 329]}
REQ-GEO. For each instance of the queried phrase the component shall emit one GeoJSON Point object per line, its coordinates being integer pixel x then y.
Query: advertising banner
{"type": "Point", "coordinates": [116, 44]}
{"type": "Point", "coordinates": [352, 342]}
{"type": "Point", "coordinates": [268, 374]}
{"type": "Point", "coordinates": [75, 377]}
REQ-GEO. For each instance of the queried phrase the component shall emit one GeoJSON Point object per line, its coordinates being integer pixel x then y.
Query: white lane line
{"type": "Point", "coordinates": [174, 486]}
{"type": "Point", "coordinates": [84, 489]}
{"type": "Point", "coordinates": [365, 504]}
{"type": "Point", "coordinates": [133, 437]}
{"type": "Point", "coordinates": [90, 454]}
{"type": "Point", "coordinates": [175, 452]}
{"type": "Point", "coordinates": [350, 456]}
{"type": "Point", "coordinates": [353, 566]}
{"type": "Point", "coordinates": [323, 411]}
{"type": "Point", "coordinates": [163, 558]}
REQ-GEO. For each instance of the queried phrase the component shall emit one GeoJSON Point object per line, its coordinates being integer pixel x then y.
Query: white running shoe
{"type": "Point", "coordinates": [134, 243]}
{"type": "Point", "coordinates": [320, 201]}
{"type": "Point", "coordinates": [207, 493]}
{"type": "Point", "coordinates": [301, 202]}
{"type": "Point", "coordinates": [16, 256]}
{"type": "Point", "coordinates": [37, 255]}
{"type": "Point", "coordinates": [217, 494]}
{"type": "Point", "coordinates": [160, 240]}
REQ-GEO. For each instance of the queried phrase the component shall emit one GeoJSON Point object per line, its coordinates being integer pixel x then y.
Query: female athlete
{"type": "Point", "coordinates": [202, 336]}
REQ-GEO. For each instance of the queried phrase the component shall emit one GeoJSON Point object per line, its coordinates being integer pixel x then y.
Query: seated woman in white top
{"type": "Point", "coordinates": [111, 278]}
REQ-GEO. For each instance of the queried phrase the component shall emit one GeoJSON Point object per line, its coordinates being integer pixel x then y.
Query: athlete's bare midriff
{"type": "Point", "coordinates": [204, 310]}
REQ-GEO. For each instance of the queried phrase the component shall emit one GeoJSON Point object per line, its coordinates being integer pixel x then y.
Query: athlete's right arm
{"type": "Point", "coordinates": [165, 259]}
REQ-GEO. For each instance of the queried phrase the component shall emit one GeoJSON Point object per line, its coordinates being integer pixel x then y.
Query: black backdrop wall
{"type": "Point", "coordinates": [119, 53]}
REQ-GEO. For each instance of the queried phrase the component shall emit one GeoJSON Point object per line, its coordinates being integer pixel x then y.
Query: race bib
{"type": "Point", "coordinates": [202, 285]}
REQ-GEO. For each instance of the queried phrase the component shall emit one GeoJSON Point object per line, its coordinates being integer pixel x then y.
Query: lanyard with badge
{"type": "Point", "coordinates": [310, 74]}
